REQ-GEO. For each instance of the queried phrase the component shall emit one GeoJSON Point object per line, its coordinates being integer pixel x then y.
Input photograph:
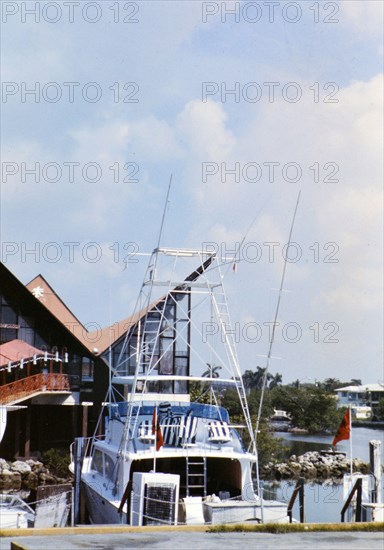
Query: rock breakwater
{"type": "Point", "coordinates": [313, 465]}
{"type": "Point", "coordinates": [28, 475]}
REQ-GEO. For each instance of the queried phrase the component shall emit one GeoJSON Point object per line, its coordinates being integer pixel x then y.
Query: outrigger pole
{"type": "Point", "coordinates": [275, 320]}
{"type": "Point", "coordinates": [164, 212]}
{"type": "Point", "coordinates": [138, 355]}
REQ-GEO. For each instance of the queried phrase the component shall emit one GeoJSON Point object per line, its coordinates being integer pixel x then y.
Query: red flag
{"type": "Point", "coordinates": [344, 429]}
{"type": "Point", "coordinates": [157, 430]}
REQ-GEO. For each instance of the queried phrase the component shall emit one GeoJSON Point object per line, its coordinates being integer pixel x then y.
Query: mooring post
{"type": "Point", "coordinates": [301, 499]}
{"type": "Point", "coordinates": [375, 462]}
{"type": "Point", "coordinates": [78, 459]}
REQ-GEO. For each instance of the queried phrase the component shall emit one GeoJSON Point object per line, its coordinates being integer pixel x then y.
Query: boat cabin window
{"type": "Point", "coordinates": [109, 467]}
{"type": "Point", "coordinates": [97, 462]}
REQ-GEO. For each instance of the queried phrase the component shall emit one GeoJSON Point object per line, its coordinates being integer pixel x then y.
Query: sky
{"type": "Point", "coordinates": [245, 104]}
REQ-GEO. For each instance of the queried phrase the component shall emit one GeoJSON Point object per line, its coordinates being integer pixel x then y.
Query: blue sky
{"type": "Point", "coordinates": [323, 123]}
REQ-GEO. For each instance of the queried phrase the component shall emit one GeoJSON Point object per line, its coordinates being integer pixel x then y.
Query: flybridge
{"type": "Point", "coordinates": [168, 341]}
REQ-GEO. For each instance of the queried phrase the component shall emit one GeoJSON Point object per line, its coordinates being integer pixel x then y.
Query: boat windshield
{"type": "Point", "coordinates": [201, 410]}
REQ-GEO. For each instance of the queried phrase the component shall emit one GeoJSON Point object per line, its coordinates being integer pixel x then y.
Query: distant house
{"type": "Point", "coordinates": [362, 399]}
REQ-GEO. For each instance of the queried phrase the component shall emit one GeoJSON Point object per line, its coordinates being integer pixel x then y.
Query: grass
{"type": "Point", "coordinates": [295, 527]}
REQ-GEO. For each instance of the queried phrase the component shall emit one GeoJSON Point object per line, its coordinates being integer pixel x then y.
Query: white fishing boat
{"type": "Point", "coordinates": [165, 459]}
{"type": "Point", "coordinates": [280, 421]}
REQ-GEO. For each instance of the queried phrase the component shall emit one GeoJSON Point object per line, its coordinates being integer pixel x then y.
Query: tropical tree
{"type": "Point", "coordinates": [198, 393]}
{"type": "Point", "coordinates": [201, 392]}
{"type": "Point", "coordinates": [275, 380]}
{"type": "Point", "coordinates": [331, 384]}
{"type": "Point", "coordinates": [311, 408]}
{"type": "Point", "coordinates": [211, 372]}
{"type": "Point", "coordinates": [253, 380]}
{"type": "Point", "coordinates": [268, 446]}
{"type": "Point", "coordinates": [261, 373]}
{"type": "Point", "coordinates": [249, 380]}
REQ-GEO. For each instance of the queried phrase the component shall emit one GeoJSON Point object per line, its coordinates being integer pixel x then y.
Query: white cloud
{"type": "Point", "coordinates": [106, 143]}
{"type": "Point", "coordinates": [203, 128]}
{"type": "Point", "coordinates": [365, 17]}
{"type": "Point", "coordinates": [171, 130]}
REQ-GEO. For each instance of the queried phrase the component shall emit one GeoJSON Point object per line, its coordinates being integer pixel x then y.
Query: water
{"type": "Point", "coordinates": [323, 502]}
{"type": "Point", "coordinates": [299, 444]}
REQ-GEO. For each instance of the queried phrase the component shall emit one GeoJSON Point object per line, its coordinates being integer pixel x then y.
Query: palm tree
{"type": "Point", "coordinates": [249, 380]}
{"type": "Point", "coordinates": [254, 379]}
{"type": "Point", "coordinates": [262, 373]}
{"type": "Point", "coordinates": [275, 380]}
{"type": "Point", "coordinates": [331, 383]}
{"type": "Point", "coordinates": [211, 372]}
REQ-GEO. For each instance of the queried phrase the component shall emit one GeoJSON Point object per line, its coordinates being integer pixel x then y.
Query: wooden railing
{"type": "Point", "coordinates": [23, 388]}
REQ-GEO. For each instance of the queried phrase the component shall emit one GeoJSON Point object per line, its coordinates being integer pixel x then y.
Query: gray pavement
{"type": "Point", "coordinates": [202, 541]}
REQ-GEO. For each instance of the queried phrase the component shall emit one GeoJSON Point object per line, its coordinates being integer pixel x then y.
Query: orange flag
{"type": "Point", "coordinates": [157, 430]}
{"type": "Point", "coordinates": [344, 429]}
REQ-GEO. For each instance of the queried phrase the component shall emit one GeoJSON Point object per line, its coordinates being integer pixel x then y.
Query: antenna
{"type": "Point", "coordinates": [240, 244]}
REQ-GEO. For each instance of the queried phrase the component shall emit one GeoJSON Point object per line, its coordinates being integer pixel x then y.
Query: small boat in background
{"type": "Point", "coordinates": [51, 509]}
{"type": "Point", "coordinates": [280, 421]}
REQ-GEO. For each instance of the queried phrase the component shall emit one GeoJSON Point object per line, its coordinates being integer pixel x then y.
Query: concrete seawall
{"type": "Point", "coordinates": [294, 536]}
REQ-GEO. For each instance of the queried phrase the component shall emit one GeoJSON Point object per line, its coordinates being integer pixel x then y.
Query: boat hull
{"type": "Point", "coordinates": [103, 511]}
{"type": "Point", "coordinates": [100, 509]}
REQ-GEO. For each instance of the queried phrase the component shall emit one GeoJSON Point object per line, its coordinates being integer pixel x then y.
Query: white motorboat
{"type": "Point", "coordinates": [15, 513]}
{"type": "Point", "coordinates": [165, 459]}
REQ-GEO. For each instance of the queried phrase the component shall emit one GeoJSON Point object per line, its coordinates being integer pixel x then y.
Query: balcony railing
{"type": "Point", "coordinates": [25, 387]}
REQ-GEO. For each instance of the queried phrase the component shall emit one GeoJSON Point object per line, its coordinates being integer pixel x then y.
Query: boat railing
{"type": "Point", "coordinates": [87, 446]}
{"type": "Point", "coordinates": [358, 490]}
{"type": "Point", "coordinates": [180, 432]}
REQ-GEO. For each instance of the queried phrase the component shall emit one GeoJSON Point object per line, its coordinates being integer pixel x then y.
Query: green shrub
{"type": "Point", "coordinates": [57, 461]}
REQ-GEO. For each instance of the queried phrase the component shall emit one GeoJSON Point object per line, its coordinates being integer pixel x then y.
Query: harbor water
{"type": "Point", "coordinates": [323, 501]}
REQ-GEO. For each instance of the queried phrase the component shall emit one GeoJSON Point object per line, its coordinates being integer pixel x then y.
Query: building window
{"type": "Point", "coordinates": [9, 325]}
{"type": "Point", "coordinates": [87, 370]}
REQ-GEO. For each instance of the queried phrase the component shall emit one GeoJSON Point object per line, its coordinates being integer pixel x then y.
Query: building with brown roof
{"type": "Point", "coordinates": [49, 375]}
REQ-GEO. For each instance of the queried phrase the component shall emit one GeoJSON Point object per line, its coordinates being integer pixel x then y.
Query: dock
{"type": "Point", "coordinates": [363, 536]}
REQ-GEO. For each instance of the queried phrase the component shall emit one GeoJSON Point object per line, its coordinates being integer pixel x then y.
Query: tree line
{"type": "Point", "coordinates": [312, 406]}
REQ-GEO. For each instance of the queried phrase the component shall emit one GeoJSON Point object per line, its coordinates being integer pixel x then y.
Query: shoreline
{"type": "Point", "coordinates": [313, 465]}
